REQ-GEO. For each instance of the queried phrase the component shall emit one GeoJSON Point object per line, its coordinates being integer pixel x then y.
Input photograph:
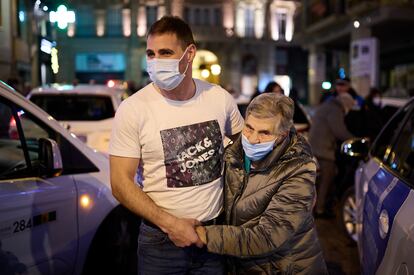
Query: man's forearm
{"type": "Point", "coordinates": [133, 198]}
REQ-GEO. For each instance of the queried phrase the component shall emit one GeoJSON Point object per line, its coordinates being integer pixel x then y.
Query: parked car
{"type": "Point", "coordinates": [384, 192]}
{"type": "Point", "coordinates": [344, 192]}
{"type": "Point", "coordinates": [57, 212]}
{"type": "Point", "coordinates": [85, 110]}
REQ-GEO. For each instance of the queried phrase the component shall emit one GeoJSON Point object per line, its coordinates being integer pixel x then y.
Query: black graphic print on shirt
{"type": "Point", "coordinates": [192, 154]}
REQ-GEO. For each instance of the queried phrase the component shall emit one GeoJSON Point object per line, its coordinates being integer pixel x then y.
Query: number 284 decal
{"type": "Point", "coordinates": [22, 225]}
{"type": "Point", "coordinates": [25, 224]}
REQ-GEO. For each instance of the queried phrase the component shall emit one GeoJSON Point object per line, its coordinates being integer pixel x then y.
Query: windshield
{"type": "Point", "coordinates": [76, 107]}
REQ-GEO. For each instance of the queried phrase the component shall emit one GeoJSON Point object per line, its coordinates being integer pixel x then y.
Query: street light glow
{"type": "Point", "coordinates": [326, 85]}
{"type": "Point", "coordinates": [21, 16]}
{"type": "Point", "coordinates": [62, 16]}
{"type": "Point", "coordinates": [205, 73]}
{"type": "Point", "coordinates": [356, 24]}
{"type": "Point", "coordinates": [215, 69]}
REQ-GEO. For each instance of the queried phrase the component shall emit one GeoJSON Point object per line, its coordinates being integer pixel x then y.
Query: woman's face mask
{"type": "Point", "coordinates": [256, 151]}
{"type": "Point", "coordinates": [165, 73]}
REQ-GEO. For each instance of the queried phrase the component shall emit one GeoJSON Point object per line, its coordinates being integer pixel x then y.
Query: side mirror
{"type": "Point", "coordinates": [356, 147]}
{"type": "Point", "coordinates": [50, 159]}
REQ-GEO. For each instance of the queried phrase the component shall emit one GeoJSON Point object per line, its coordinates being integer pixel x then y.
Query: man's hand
{"type": "Point", "coordinates": [183, 233]}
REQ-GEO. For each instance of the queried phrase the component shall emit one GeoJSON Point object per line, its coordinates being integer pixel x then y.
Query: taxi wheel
{"type": "Point", "coordinates": [114, 247]}
{"type": "Point", "coordinates": [347, 209]}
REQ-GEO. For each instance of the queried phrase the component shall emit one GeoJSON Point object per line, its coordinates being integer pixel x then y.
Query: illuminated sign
{"type": "Point", "coordinates": [62, 16]}
{"type": "Point", "coordinates": [54, 60]}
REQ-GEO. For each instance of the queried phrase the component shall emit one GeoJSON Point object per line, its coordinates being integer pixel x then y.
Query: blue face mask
{"type": "Point", "coordinates": [165, 73]}
{"type": "Point", "coordinates": [256, 151]}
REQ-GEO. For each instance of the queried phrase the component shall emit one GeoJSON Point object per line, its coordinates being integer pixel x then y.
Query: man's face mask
{"type": "Point", "coordinates": [165, 73]}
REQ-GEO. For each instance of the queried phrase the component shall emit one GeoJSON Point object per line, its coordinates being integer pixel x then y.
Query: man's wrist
{"type": "Point", "coordinates": [166, 222]}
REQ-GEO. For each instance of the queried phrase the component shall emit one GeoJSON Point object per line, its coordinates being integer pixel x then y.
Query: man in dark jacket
{"type": "Point", "coordinates": [269, 194]}
{"type": "Point", "coordinates": [328, 127]}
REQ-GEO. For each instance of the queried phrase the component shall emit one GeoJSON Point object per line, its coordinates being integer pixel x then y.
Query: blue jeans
{"type": "Point", "coordinates": [158, 255]}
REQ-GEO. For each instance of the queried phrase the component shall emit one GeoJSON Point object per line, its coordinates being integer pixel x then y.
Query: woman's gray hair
{"type": "Point", "coordinates": [271, 105]}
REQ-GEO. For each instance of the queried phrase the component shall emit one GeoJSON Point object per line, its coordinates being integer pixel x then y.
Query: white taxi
{"type": "Point", "coordinates": [57, 212]}
{"type": "Point", "coordinates": [85, 110]}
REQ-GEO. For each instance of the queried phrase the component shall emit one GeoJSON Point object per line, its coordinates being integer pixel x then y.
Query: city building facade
{"type": "Point", "coordinates": [26, 44]}
{"type": "Point", "coordinates": [242, 44]}
{"type": "Point", "coordinates": [368, 41]}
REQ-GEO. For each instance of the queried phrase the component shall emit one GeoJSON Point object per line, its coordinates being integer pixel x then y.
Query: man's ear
{"type": "Point", "coordinates": [191, 52]}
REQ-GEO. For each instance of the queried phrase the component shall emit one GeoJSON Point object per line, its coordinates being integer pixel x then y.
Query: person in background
{"type": "Point", "coordinates": [328, 127]}
{"type": "Point", "coordinates": [369, 121]}
{"type": "Point", "coordinates": [174, 128]}
{"type": "Point", "coordinates": [343, 85]}
{"type": "Point", "coordinates": [269, 195]}
{"type": "Point", "coordinates": [274, 87]}
{"type": "Point", "coordinates": [271, 87]}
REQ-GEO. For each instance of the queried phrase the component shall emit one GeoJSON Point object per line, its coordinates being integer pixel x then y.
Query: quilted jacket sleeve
{"type": "Point", "coordinates": [284, 217]}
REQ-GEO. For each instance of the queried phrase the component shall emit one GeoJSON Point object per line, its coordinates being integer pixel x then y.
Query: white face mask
{"type": "Point", "coordinates": [165, 73]}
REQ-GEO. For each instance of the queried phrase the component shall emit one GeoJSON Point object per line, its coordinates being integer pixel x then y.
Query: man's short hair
{"type": "Point", "coordinates": [271, 105]}
{"type": "Point", "coordinates": [174, 25]}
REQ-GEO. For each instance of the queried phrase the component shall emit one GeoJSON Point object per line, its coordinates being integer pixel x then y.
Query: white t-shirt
{"type": "Point", "coordinates": [180, 146]}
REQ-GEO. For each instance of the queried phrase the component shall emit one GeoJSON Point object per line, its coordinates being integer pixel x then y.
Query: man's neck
{"type": "Point", "coordinates": [184, 91]}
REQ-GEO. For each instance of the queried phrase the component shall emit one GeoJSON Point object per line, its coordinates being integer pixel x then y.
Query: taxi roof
{"type": "Point", "coordinates": [78, 89]}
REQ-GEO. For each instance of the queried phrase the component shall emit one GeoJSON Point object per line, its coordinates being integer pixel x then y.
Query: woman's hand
{"type": "Point", "coordinates": [201, 232]}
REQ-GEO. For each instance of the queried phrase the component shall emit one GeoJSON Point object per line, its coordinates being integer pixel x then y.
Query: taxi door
{"type": "Point", "coordinates": [38, 224]}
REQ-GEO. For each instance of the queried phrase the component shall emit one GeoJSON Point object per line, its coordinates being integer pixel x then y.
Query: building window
{"type": "Point", "coordinates": [151, 15]}
{"type": "Point", "coordinates": [197, 16]}
{"type": "Point", "coordinates": [114, 22]}
{"type": "Point", "coordinates": [217, 18]}
{"type": "Point", "coordinates": [206, 17]}
{"type": "Point", "coordinates": [22, 20]}
{"type": "Point", "coordinates": [281, 18]}
{"type": "Point", "coordinates": [85, 22]}
{"type": "Point", "coordinates": [203, 16]}
{"type": "Point", "coordinates": [249, 19]}
{"type": "Point", "coordinates": [187, 15]}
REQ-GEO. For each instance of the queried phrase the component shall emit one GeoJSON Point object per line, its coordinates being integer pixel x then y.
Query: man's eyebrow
{"type": "Point", "coordinates": [160, 51]}
{"type": "Point", "coordinates": [165, 50]}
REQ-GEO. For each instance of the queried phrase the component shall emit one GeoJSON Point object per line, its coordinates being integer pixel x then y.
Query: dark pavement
{"type": "Point", "coordinates": [341, 255]}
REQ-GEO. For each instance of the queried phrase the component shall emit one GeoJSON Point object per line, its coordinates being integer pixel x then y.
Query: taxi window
{"type": "Point", "coordinates": [73, 160]}
{"type": "Point", "coordinates": [401, 157]}
{"type": "Point", "coordinates": [385, 140]}
{"type": "Point", "coordinates": [75, 107]}
{"type": "Point", "coordinates": [20, 132]}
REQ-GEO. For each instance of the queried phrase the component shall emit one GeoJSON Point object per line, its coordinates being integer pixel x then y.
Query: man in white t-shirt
{"type": "Point", "coordinates": [173, 129]}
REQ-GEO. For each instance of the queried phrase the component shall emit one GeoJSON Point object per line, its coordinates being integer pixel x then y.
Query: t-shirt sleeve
{"type": "Point", "coordinates": [234, 120]}
{"type": "Point", "coordinates": [125, 133]}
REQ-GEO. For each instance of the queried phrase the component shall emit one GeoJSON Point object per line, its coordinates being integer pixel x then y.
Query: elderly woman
{"type": "Point", "coordinates": [269, 194]}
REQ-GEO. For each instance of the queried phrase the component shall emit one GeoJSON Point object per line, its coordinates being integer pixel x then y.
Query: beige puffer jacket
{"type": "Point", "coordinates": [269, 224]}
